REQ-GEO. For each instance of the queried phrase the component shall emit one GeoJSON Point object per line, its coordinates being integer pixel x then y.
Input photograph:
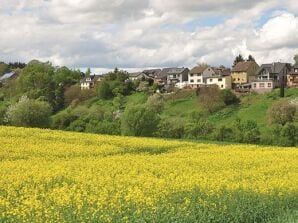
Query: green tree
{"type": "Point", "coordinates": [281, 112]}
{"type": "Point", "coordinates": [210, 98]}
{"type": "Point", "coordinates": [104, 91]}
{"type": "Point", "coordinates": [88, 72]}
{"type": "Point", "coordinates": [296, 60]}
{"type": "Point", "coordinates": [238, 59]}
{"type": "Point", "coordinates": [229, 97]}
{"type": "Point", "coordinates": [139, 120]}
{"type": "Point", "coordinates": [29, 113]}
{"type": "Point", "coordinates": [251, 58]}
{"type": "Point", "coordinates": [3, 68]}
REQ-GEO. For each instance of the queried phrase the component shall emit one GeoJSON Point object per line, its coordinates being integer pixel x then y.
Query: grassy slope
{"type": "Point", "coordinates": [184, 103]}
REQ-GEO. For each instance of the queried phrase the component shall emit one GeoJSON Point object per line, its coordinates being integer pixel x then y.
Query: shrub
{"type": "Point", "coordinates": [156, 102]}
{"type": "Point", "coordinates": [223, 133]}
{"type": "Point", "coordinates": [198, 129]}
{"type": "Point", "coordinates": [63, 119]}
{"type": "Point", "coordinates": [104, 91]}
{"type": "Point", "coordinates": [29, 113]}
{"type": "Point", "coordinates": [229, 97]}
{"type": "Point", "coordinates": [139, 120]}
{"type": "Point", "coordinates": [210, 98]}
{"type": "Point", "coordinates": [281, 112]}
{"type": "Point", "coordinates": [169, 128]}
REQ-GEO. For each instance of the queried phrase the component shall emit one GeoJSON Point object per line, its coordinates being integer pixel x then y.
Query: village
{"type": "Point", "coordinates": [245, 76]}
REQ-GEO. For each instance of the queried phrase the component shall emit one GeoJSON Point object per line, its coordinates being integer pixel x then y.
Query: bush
{"type": "Point", "coordinates": [104, 91]}
{"type": "Point", "coordinates": [281, 112]}
{"type": "Point", "coordinates": [229, 97]}
{"type": "Point", "coordinates": [246, 132]}
{"type": "Point", "coordinates": [139, 120]}
{"type": "Point", "coordinates": [63, 119]}
{"type": "Point", "coordinates": [169, 128]}
{"type": "Point", "coordinates": [156, 102]}
{"type": "Point", "coordinates": [29, 113]}
{"type": "Point", "coordinates": [223, 133]}
{"type": "Point", "coordinates": [210, 98]}
{"type": "Point", "coordinates": [198, 129]}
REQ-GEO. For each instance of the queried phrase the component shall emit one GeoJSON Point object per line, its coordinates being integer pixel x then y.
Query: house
{"type": "Point", "coordinates": [292, 77]}
{"type": "Point", "coordinates": [177, 75]}
{"type": "Point", "coordinates": [198, 75]}
{"type": "Point", "coordinates": [270, 76]}
{"type": "Point", "coordinates": [7, 76]}
{"type": "Point", "coordinates": [137, 76]}
{"type": "Point", "coordinates": [243, 72]}
{"type": "Point", "coordinates": [161, 77]}
{"type": "Point", "coordinates": [223, 82]}
{"type": "Point", "coordinates": [152, 73]}
{"type": "Point", "coordinates": [90, 82]}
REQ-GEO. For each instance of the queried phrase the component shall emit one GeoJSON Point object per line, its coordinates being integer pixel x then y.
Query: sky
{"type": "Point", "coordinates": [137, 34]}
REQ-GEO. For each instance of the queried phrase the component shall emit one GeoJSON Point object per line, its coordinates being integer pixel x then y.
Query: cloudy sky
{"type": "Point", "coordinates": [135, 34]}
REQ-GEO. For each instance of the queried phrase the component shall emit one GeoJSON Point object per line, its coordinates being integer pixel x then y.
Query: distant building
{"type": "Point", "coordinates": [270, 76]}
{"type": "Point", "coordinates": [90, 82]}
{"type": "Point", "coordinates": [292, 77]}
{"type": "Point", "coordinates": [198, 76]}
{"type": "Point", "coordinates": [243, 73]}
{"type": "Point", "coordinates": [138, 76]}
{"type": "Point", "coordinates": [177, 75]}
{"type": "Point", "coordinates": [223, 82]}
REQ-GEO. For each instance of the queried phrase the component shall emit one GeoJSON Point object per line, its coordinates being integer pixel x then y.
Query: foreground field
{"type": "Point", "coordinates": [52, 176]}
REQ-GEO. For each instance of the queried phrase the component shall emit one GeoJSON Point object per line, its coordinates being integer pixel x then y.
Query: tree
{"type": "Point", "coordinates": [229, 97]}
{"type": "Point", "coordinates": [29, 113]}
{"type": "Point", "coordinates": [139, 120]}
{"type": "Point", "coordinates": [238, 59]}
{"type": "Point", "coordinates": [3, 68]}
{"type": "Point", "coordinates": [156, 102]}
{"type": "Point", "coordinates": [296, 60]}
{"type": "Point", "coordinates": [250, 58]}
{"type": "Point", "coordinates": [281, 112]}
{"type": "Point", "coordinates": [104, 91]}
{"type": "Point", "coordinates": [88, 72]}
{"type": "Point", "coordinates": [210, 98]}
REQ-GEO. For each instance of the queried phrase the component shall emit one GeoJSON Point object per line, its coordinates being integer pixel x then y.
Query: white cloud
{"type": "Point", "coordinates": [147, 33]}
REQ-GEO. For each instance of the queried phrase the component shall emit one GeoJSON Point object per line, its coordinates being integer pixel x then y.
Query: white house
{"type": "Point", "coordinates": [89, 82]}
{"type": "Point", "coordinates": [223, 82]}
{"type": "Point", "coordinates": [262, 86]}
{"type": "Point", "coordinates": [198, 76]}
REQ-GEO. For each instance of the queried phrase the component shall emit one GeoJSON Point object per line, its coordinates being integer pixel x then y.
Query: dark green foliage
{"type": "Point", "coordinates": [246, 132]}
{"type": "Point", "coordinates": [63, 119]}
{"type": "Point", "coordinates": [229, 97]}
{"type": "Point", "coordinates": [223, 133]}
{"type": "Point", "coordinates": [29, 113]}
{"type": "Point", "coordinates": [4, 68]}
{"type": "Point", "coordinates": [139, 120]}
{"type": "Point", "coordinates": [238, 59]}
{"type": "Point", "coordinates": [170, 128]}
{"type": "Point", "coordinates": [104, 91]}
{"type": "Point", "coordinates": [198, 129]}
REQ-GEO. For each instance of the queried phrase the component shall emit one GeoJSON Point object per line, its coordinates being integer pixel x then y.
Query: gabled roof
{"type": "Point", "coordinates": [164, 72]}
{"type": "Point", "coordinates": [135, 74]}
{"type": "Point", "coordinates": [274, 68]}
{"type": "Point", "coordinates": [152, 72]}
{"type": "Point", "coordinates": [177, 70]}
{"type": "Point", "coordinates": [90, 79]}
{"type": "Point", "coordinates": [198, 70]}
{"type": "Point", "coordinates": [7, 76]}
{"type": "Point", "coordinates": [243, 66]}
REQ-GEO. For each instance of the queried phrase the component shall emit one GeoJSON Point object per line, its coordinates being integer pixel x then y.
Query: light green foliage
{"type": "Point", "coordinates": [29, 113]}
{"type": "Point", "coordinates": [139, 120]}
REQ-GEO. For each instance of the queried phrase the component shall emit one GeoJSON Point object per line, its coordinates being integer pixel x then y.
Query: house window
{"type": "Point", "coordinates": [191, 81]}
{"type": "Point", "coordinates": [210, 79]}
{"type": "Point", "coordinates": [174, 75]}
{"type": "Point", "coordinates": [222, 86]}
{"type": "Point", "coordinates": [238, 79]}
{"type": "Point", "coordinates": [262, 85]}
{"type": "Point", "coordinates": [269, 85]}
{"type": "Point", "coordinates": [234, 79]}
{"type": "Point", "coordinates": [255, 85]}
{"type": "Point", "coordinates": [191, 75]}
{"type": "Point", "coordinates": [220, 79]}
{"type": "Point", "coordinates": [199, 80]}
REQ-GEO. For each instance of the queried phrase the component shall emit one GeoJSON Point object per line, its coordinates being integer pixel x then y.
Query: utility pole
{"type": "Point", "coordinates": [282, 86]}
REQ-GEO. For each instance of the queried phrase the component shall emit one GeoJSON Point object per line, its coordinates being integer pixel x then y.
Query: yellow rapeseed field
{"type": "Point", "coordinates": [54, 176]}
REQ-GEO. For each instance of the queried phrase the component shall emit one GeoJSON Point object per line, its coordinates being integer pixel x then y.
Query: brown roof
{"type": "Point", "coordinates": [198, 70]}
{"type": "Point", "coordinates": [243, 66]}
